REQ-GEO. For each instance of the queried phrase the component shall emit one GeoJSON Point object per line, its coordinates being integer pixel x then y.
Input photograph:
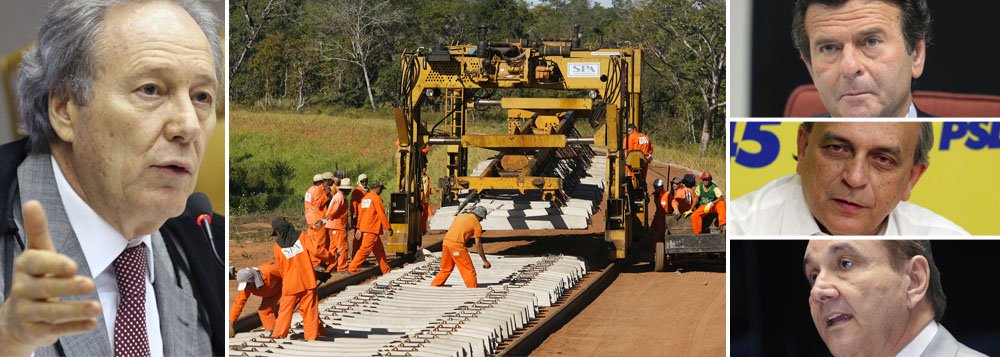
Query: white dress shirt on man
{"type": "Point", "coordinates": [779, 208]}
{"type": "Point", "coordinates": [101, 244]}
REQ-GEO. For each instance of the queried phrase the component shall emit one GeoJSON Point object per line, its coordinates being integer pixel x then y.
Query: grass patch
{"type": "Point", "coordinates": [301, 144]}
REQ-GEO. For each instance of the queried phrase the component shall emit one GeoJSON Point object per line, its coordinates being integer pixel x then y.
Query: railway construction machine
{"type": "Point", "coordinates": [541, 153]}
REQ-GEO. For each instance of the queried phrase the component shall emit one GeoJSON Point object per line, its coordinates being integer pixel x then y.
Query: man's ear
{"type": "Point", "coordinates": [63, 115]}
{"type": "Point", "coordinates": [805, 59]}
{"type": "Point", "coordinates": [918, 276]}
{"type": "Point", "coordinates": [803, 143]}
{"type": "Point", "coordinates": [915, 173]}
{"type": "Point", "coordinates": [918, 56]}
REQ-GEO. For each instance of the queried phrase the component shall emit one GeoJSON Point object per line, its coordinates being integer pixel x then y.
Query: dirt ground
{"type": "Point", "coordinates": [644, 313]}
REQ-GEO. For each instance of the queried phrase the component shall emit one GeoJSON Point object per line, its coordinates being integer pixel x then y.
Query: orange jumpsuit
{"type": "Point", "coordinates": [315, 202]}
{"type": "Point", "coordinates": [639, 141]}
{"type": "Point", "coordinates": [336, 224]}
{"type": "Point", "coordinates": [269, 293]}
{"type": "Point", "coordinates": [298, 288]}
{"type": "Point", "coordinates": [699, 214]}
{"type": "Point", "coordinates": [682, 200]}
{"type": "Point", "coordinates": [425, 197]}
{"type": "Point", "coordinates": [454, 253]}
{"type": "Point", "coordinates": [658, 229]}
{"type": "Point", "coordinates": [356, 195]}
{"type": "Point", "coordinates": [371, 221]}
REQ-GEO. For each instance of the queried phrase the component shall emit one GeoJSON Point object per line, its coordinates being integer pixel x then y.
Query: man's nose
{"type": "Point", "coordinates": [183, 125]}
{"type": "Point", "coordinates": [823, 289]}
{"type": "Point", "coordinates": [850, 62]}
{"type": "Point", "coordinates": [855, 174]}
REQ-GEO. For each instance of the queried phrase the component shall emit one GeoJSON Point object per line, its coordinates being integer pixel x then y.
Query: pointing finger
{"type": "Point", "coordinates": [37, 226]}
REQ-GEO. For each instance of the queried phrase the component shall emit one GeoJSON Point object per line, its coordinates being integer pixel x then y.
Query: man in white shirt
{"type": "Point", "coordinates": [852, 179]}
{"type": "Point", "coordinates": [878, 298]}
{"type": "Point", "coordinates": [118, 100]}
{"type": "Point", "coordinates": [863, 55]}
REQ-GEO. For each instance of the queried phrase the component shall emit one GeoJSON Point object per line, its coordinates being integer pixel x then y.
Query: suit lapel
{"type": "Point", "coordinates": [37, 182]}
{"type": "Point", "coordinates": [178, 309]}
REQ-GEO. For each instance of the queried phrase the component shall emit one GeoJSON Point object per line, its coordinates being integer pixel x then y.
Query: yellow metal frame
{"type": "Point", "coordinates": [612, 76]}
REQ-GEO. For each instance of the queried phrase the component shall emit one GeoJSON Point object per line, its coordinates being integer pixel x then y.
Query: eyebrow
{"type": "Point", "coordinates": [842, 247]}
{"type": "Point", "coordinates": [872, 32]}
{"type": "Point", "coordinates": [892, 150]}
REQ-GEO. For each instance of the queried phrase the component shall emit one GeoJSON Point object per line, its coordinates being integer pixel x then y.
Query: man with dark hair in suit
{"type": "Point", "coordinates": [878, 298]}
{"type": "Point", "coordinates": [98, 258]}
{"type": "Point", "coordinates": [863, 55]}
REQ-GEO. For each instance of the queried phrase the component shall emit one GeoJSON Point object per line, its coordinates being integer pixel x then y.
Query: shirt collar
{"type": "Point", "coordinates": [100, 242]}
{"type": "Point", "coordinates": [912, 112]}
{"type": "Point", "coordinates": [919, 343]}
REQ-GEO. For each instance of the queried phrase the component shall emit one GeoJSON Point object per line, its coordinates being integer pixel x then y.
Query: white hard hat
{"type": "Point", "coordinates": [317, 177]}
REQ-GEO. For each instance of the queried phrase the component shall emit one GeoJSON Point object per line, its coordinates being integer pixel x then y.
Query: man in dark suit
{"type": "Point", "coordinates": [118, 101]}
{"type": "Point", "coordinates": [878, 298]}
{"type": "Point", "coordinates": [863, 55]}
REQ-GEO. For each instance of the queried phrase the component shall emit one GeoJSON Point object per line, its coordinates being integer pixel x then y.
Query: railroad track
{"type": "Point", "coordinates": [524, 300]}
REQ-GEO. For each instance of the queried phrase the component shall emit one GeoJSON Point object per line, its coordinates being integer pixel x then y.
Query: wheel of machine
{"type": "Point", "coordinates": [659, 257]}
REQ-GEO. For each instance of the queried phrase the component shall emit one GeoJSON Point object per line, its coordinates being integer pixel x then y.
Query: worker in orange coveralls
{"type": "Point", "coordinates": [336, 225]}
{"type": "Point", "coordinates": [425, 199]}
{"type": "Point", "coordinates": [637, 141]}
{"type": "Point", "coordinates": [661, 199]}
{"type": "Point", "coordinates": [709, 198]}
{"type": "Point", "coordinates": [263, 281]}
{"type": "Point", "coordinates": [298, 281]}
{"type": "Point", "coordinates": [315, 203]}
{"type": "Point", "coordinates": [371, 222]}
{"type": "Point", "coordinates": [356, 196]}
{"type": "Point", "coordinates": [682, 198]}
{"type": "Point", "coordinates": [454, 253]}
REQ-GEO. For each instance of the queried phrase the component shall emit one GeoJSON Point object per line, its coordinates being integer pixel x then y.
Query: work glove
{"type": "Point", "coordinates": [688, 213]}
{"type": "Point", "coordinates": [390, 232]}
{"type": "Point", "coordinates": [708, 207]}
{"type": "Point", "coordinates": [677, 214]}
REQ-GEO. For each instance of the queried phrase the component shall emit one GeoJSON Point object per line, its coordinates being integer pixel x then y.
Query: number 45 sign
{"type": "Point", "coordinates": [757, 132]}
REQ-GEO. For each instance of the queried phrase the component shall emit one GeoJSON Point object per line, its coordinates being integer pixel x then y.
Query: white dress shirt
{"type": "Point", "coordinates": [919, 343]}
{"type": "Point", "coordinates": [779, 208]}
{"type": "Point", "coordinates": [912, 112]}
{"type": "Point", "coordinates": [101, 245]}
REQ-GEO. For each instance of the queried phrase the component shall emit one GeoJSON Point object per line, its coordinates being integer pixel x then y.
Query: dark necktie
{"type": "Point", "coordinates": [130, 322]}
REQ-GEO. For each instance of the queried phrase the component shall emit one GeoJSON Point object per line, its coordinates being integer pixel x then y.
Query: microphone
{"type": "Point", "coordinates": [200, 208]}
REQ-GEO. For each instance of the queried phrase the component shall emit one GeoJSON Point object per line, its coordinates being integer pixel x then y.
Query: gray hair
{"type": "Point", "coordinates": [64, 61]}
{"type": "Point", "coordinates": [924, 142]}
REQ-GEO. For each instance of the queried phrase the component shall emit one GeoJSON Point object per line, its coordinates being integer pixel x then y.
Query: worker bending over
{"type": "Point", "coordinates": [681, 199]}
{"type": "Point", "coordinates": [298, 281]}
{"type": "Point", "coordinates": [371, 221]}
{"type": "Point", "coordinates": [263, 281]}
{"type": "Point", "coordinates": [454, 253]}
{"type": "Point", "coordinates": [710, 199]}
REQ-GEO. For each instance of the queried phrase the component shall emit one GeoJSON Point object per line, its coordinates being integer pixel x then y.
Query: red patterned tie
{"type": "Point", "coordinates": [130, 322]}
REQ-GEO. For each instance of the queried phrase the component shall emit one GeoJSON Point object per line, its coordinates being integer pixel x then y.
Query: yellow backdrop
{"type": "Point", "coordinates": [960, 184]}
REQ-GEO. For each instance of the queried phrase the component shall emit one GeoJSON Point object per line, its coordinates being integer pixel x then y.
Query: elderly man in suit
{"type": "Point", "coordinates": [118, 99]}
{"type": "Point", "coordinates": [878, 298]}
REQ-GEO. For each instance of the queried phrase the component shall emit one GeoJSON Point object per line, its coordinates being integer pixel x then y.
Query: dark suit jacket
{"type": "Point", "coordinates": [188, 286]}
